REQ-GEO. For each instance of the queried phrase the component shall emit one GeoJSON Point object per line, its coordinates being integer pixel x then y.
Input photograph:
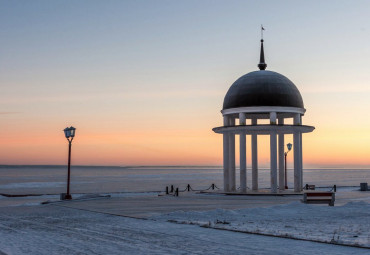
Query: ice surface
{"type": "Point", "coordinates": [26, 185]}
{"type": "Point", "coordinates": [99, 179]}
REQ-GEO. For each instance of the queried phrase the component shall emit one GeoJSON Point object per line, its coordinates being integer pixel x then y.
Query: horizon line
{"type": "Point", "coordinates": [354, 167]}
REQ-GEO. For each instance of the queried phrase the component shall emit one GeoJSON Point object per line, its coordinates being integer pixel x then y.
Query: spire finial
{"type": "Point", "coordinates": [262, 65]}
{"type": "Point", "coordinates": [262, 29]}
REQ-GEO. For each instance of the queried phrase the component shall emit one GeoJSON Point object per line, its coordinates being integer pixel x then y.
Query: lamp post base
{"type": "Point", "coordinates": [65, 196]}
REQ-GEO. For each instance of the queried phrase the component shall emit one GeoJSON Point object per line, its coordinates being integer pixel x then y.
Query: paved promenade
{"type": "Point", "coordinates": [144, 206]}
{"type": "Point", "coordinates": [147, 206]}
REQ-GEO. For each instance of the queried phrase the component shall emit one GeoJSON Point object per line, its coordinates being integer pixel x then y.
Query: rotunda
{"type": "Point", "coordinates": [252, 98]}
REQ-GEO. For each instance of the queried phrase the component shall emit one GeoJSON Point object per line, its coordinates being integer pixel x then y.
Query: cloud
{"type": "Point", "coordinates": [93, 96]}
{"type": "Point", "coordinates": [3, 113]}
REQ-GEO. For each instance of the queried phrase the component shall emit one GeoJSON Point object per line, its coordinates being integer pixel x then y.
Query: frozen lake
{"type": "Point", "coordinates": [101, 179]}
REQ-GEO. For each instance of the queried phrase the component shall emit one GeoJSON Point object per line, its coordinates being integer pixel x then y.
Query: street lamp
{"type": "Point", "coordinates": [69, 132]}
{"type": "Point", "coordinates": [289, 146]}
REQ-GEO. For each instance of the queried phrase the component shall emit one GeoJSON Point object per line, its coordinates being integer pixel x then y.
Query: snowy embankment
{"type": "Point", "coordinates": [52, 229]}
{"type": "Point", "coordinates": [347, 225]}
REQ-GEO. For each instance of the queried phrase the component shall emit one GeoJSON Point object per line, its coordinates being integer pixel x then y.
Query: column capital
{"type": "Point", "coordinates": [272, 118]}
{"type": "Point", "coordinates": [254, 121]}
{"type": "Point", "coordinates": [242, 118]}
{"type": "Point", "coordinates": [226, 121]}
{"type": "Point", "coordinates": [297, 119]}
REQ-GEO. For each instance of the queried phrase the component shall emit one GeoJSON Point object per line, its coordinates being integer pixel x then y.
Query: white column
{"type": "Point", "coordinates": [243, 163]}
{"type": "Point", "coordinates": [273, 162]}
{"type": "Point", "coordinates": [243, 156]}
{"type": "Point", "coordinates": [300, 153]}
{"type": "Point", "coordinates": [273, 155]}
{"type": "Point", "coordinates": [254, 159]}
{"type": "Point", "coordinates": [296, 148]}
{"type": "Point", "coordinates": [301, 160]}
{"type": "Point", "coordinates": [281, 158]}
{"type": "Point", "coordinates": [232, 176]}
{"type": "Point", "coordinates": [226, 155]}
{"type": "Point", "coordinates": [297, 155]}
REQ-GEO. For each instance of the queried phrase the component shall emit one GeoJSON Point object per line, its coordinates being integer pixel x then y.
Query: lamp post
{"type": "Point", "coordinates": [289, 146]}
{"type": "Point", "coordinates": [69, 132]}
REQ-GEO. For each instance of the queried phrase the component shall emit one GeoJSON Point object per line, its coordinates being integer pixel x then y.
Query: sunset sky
{"type": "Point", "coordinates": [144, 81]}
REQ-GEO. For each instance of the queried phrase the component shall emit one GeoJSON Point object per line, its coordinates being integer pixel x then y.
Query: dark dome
{"type": "Point", "coordinates": [263, 88]}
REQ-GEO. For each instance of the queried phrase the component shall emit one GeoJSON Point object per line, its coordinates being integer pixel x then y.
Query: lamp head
{"type": "Point", "coordinates": [289, 146]}
{"type": "Point", "coordinates": [69, 132]}
{"type": "Point", "coordinates": [72, 131]}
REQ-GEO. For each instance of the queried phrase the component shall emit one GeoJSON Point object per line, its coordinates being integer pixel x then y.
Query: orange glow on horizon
{"type": "Point", "coordinates": [172, 147]}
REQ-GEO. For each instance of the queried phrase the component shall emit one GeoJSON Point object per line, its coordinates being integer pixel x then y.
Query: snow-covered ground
{"type": "Point", "coordinates": [37, 200]}
{"type": "Point", "coordinates": [348, 224]}
{"type": "Point", "coordinates": [52, 229]}
{"type": "Point", "coordinates": [92, 224]}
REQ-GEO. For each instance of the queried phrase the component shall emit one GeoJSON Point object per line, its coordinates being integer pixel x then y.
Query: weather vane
{"type": "Point", "coordinates": [262, 29]}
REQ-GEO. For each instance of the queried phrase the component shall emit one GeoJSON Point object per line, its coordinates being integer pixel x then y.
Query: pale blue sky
{"type": "Point", "coordinates": [124, 64]}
